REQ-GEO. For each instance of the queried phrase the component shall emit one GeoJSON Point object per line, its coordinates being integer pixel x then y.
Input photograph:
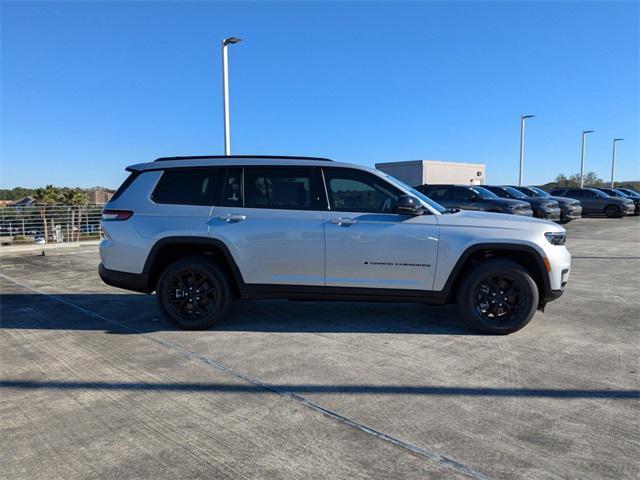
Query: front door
{"type": "Point", "coordinates": [370, 246]}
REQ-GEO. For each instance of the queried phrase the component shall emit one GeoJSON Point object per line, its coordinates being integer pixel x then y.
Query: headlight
{"type": "Point", "coordinates": [556, 238]}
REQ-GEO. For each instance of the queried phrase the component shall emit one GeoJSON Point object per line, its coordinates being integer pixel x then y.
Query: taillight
{"type": "Point", "coordinates": [116, 215]}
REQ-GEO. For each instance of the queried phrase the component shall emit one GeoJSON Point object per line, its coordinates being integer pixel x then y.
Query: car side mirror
{"type": "Point", "coordinates": [408, 205]}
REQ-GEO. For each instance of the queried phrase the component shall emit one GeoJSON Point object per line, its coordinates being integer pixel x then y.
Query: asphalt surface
{"type": "Point", "coordinates": [96, 385]}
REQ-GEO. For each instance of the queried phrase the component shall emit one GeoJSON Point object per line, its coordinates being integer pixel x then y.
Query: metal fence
{"type": "Point", "coordinates": [51, 224]}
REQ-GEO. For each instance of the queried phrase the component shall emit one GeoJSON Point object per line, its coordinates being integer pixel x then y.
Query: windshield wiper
{"type": "Point", "coordinates": [451, 210]}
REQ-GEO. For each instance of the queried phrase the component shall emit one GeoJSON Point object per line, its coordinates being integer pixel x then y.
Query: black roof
{"type": "Point", "coordinates": [271, 157]}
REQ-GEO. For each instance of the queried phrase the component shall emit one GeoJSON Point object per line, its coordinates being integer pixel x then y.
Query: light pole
{"type": "Point", "coordinates": [613, 158]}
{"type": "Point", "coordinates": [522, 119]}
{"type": "Point", "coordinates": [225, 92]}
{"type": "Point", "coordinates": [584, 134]}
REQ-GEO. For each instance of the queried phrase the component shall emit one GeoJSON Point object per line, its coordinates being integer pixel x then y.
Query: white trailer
{"type": "Point", "coordinates": [419, 172]}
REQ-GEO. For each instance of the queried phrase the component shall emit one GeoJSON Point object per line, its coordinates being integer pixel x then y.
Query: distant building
{"type": "Point", "coordinates": [99, 195]}
{"type": "Point", "coordinates": [419, 172]}
{"type": "Point", "coordinates": [23, 202]}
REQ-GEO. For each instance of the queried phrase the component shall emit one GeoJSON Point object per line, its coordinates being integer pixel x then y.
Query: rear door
{"type": "Point", "coordinates": [590, 203]}
{"type": "Point", "coordinates": [270, 219]}
{"type": "Point", "coordinates": [367, 244]}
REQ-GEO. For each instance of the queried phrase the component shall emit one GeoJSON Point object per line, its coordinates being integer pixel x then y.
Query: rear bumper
{"type": "Point", "coordinates": [137, 282]}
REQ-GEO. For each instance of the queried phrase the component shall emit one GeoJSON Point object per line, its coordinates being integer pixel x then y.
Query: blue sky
{"type": "Point", "coordinates": [90, 87]}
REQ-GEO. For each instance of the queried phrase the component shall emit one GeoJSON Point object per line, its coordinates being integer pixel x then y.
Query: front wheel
{"type": "Point", "coordinates": [193, 293]}
{"type": "Point", "coordinates": [498, 296]}
{"type": "Point", "coordinates": [613, 211]}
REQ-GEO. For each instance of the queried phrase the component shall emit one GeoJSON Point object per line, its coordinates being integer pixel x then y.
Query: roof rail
{"type": "Point", "coordinates": [272, 157]}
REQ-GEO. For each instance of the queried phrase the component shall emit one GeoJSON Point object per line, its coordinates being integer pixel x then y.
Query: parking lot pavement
{"type": "Point", "coordinates": [97, 385]}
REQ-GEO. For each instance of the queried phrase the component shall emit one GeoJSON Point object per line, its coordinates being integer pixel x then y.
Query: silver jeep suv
{"type": "Point", "coordinates": [203, 231]}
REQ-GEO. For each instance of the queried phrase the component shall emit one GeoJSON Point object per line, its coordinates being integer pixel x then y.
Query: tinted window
{"type": "Point", "coordinates": [358, 191]}
{"type": "Point", "coordinates": [440, 193]}
{"type": "Point", "coordinates": [463, 194]}
{"type": "Point", "coordinates": [576, 193]}
{"type": "Point", "coordinates": [232, 192]}
{"type": "Point", "coordinates": [190, 186]}
{"type": "Point", "coordinates": [280, 187]}
{"type": "Point", "coordinates": [129, 180]}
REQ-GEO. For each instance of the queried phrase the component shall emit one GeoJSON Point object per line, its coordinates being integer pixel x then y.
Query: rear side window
{"type": "Point", "coordinates": [190, 186]}
{"type": "Point", "coordinates": [128, 181]}
{"type": "Point", "coordinates": [440, 193]}
{"type": "Point", "coordinates": [293, 188]}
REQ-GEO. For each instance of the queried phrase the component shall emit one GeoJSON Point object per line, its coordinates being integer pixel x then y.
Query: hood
{"type": "Point", "coordinates": [565, 200]}
{"type": "Point", "coordinates": [473, 218]}
{"type": "Point", "coordinates": [543, 202]}
{"type": "Point", "coordinates": [507, 202]}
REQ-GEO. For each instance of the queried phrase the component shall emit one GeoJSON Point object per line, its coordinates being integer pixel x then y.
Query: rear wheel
{"type": "Point", "coordinates": [498, 296]}
{"type": "Point", "coordinates": [612, 211]}
{"type": "Point", "coordinates": [193, 293]}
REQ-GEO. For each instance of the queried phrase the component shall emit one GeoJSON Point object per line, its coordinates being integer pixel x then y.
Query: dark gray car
{"type": "Point", "coordinates": [542, 207]}
{"type": "Point", "coordinates": [474, 197]}
{"type": "Point", "coordinates": [570, 208]}
{"type": "Point", "coordinates": [614, 192]}
{"type": "Point", "coordinates": [594, 201]}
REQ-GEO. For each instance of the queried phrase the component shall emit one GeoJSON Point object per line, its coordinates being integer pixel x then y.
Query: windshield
{"type": "Point", "coordinates": [599, 193]}
{"type": "Point", "coordinates": [617, 193]}
{"type": "Point", "coordinates": [540, 192]}
{"type": "Point", "coordinates": [483, 192]}
{"type": "Point", "coordinates": [631, 191]}
{"type": "Point", "coordinates": [515, 193]}
{"type": "Point", "coordinates": [436, 206]}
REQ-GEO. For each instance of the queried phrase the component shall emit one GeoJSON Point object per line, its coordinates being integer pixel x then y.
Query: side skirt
{"type": "Point", "coordinates": [347, 294]}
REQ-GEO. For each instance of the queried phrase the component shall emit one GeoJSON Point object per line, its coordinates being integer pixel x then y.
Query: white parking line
{"type": "Point", "coordinates": [428, 454]}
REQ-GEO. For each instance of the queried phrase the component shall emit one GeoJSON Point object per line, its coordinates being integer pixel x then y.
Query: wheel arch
{"type": "Point", "coordinates": [169, 249]}
{"type": "Point", "coordinates": [526, 256]}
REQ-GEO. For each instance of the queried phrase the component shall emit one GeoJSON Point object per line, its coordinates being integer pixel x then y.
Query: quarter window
{"type": "Point", "coordinates": [357, 191]}
{"type": "Point", "coordinates": [189, 186]}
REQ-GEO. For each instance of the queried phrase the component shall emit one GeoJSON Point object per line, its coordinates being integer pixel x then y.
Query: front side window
{"type": "Point", "coordinates": [190, 186]}
{"type": "Point", "coordinates": [463, 194]}
{"type": "Point", "coordinates": [291, 188]}
{"type": "Point", "coordinates": [358, 191]}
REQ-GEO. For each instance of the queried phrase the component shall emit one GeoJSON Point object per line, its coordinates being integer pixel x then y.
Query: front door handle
{"type": "Point", "coordinates": [344, 221]}
{"type": "Point", "coordinates": [230, 217]}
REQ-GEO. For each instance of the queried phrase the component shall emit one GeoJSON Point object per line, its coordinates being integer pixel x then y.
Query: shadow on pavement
{"type": "Point", "coordinates": [132, 313]}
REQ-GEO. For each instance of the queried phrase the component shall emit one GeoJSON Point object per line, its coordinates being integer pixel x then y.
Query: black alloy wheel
{"type": "Point", "coordinates": [193, 293]}
{"type": "Point", "coordinates": [612, 211]}
{"type": "Point", "coordinates": [497, 296]}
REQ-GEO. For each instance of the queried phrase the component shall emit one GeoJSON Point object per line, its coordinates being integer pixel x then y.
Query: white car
{"type": "Point", "coordinates": [203, 231]}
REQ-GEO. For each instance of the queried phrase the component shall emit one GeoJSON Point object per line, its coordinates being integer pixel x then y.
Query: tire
{"type": "Point", "coordinates": [613, 211]}
{"type": "Point", "coordinates": [184, 307]}
{"type": "Point", "coordinates": [475, 297]}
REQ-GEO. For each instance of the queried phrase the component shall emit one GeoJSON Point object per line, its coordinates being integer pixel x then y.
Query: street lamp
{"type": "Point", "coordinates": [613, 158]}
{"type": "Point", "coordinates": [584, 134]}
{"type": "Point", "coordinates": [522, 119]}
{"type": "Point", "coordinates": [225, 92]}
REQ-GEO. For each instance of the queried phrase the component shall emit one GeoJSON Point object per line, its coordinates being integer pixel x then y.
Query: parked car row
{"type": "Point", "coordinates": [560, 205]}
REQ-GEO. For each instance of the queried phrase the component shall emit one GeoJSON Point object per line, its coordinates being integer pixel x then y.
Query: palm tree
{"type": "Point", "coordinates": [45, 197]}
{"type": "Point", "coordinates": [74, 198]}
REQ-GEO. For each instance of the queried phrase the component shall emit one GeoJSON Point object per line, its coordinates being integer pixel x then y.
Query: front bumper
{"type": "Point", "coordinates": [552, 214]}
{"type": "Point", "coordinates": [571, 212]}
{"type": "Point", "coordinates": [630, 209]}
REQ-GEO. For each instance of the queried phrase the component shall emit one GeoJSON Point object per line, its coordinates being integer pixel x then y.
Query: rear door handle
{"type": "Point", "coordinates": [344, 221]}
{"type": "Point", "coordinates": [230, 217]}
